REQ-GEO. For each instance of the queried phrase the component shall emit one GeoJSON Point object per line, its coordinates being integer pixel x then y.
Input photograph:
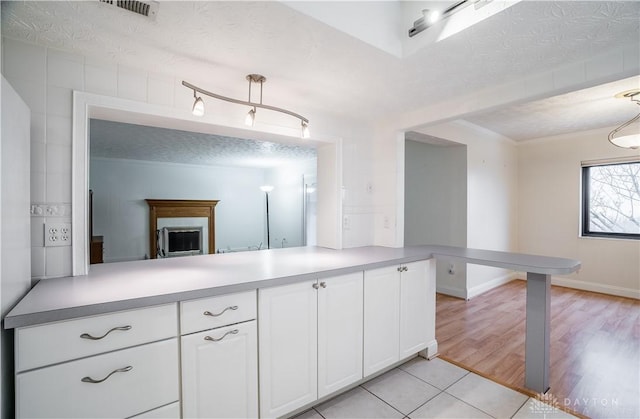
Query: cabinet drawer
{"type": "Point", "coordinates": [58, 391]}
{"type": "Point", "coordinates": [52, 343]}
{"type": "Point", "coordinates": [222, 310]}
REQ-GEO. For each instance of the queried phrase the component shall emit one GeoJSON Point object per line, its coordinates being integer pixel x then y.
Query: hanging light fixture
{"type": "Point", "coordinates": [627, 135]}
{"type": "Point", "coordinates": [198, 105]}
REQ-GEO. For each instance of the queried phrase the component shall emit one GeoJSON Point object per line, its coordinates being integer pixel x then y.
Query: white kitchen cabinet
{"type": "Point", "coordinates": [381, 318]}
{"type": "Point", "coordinates": [417, 307]}
{"type": "Point", "coordinates": [219, 356]}
{"type": "Point", "coordinates": [310, 338]}
{"type": "Point", "coordinates": [112, 365]}
{"type": "Point", "coordinates": [288, 347]}
{"type": "Point", "coordinates": [399, 313]}
{"type": "Point", "coordinates": [116, 384]}
{"type": "Point", "coordinates": [220, 372]}
{"type": "Point", "coordinates": [339, 332]}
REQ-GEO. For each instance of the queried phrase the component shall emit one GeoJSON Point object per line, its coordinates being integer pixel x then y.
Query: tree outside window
{"type": "Point", "coordinates": [611, 200]}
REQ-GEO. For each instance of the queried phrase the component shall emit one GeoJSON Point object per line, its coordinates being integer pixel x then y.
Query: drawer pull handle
{"type": "Point", "coordinates": [208, 313]}
{"type": "Point", "coordinates": [92, 381]}
{"type": "Point", "coordinates": [88, 336]}
{"type": "Point", "coordinates": [323, 284]}
{"type": "Point", "coordinates": [230, 332]}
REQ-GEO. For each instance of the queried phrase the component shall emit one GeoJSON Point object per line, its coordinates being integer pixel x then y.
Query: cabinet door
{"type": "Point", "coordinates": [288, 347]}
{"type": "Point", "coordinates": [339, 332]}
{"type": "Point", "coordinates": [220, 372]}
{"type": "Point", "coordinates": [417, 307]}
{"type": "Point", "coordinates": [381, 318]}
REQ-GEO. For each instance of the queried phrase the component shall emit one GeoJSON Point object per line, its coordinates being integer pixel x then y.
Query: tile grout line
{"type": "Point", "coordinates": [318, 412]}
{"type": "Point", "coordinates": [521, 406]}
{"type": "Point", "coordinates": [384, 401]}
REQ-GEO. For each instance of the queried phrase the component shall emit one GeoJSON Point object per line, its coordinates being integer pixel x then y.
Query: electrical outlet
{"type": "Point", "coordinates": [57, 234]}
{"type": "Point", "coordinates": [452, 270]}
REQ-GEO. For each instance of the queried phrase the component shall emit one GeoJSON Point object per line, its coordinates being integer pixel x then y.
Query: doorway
{"type": "Point", "coordinates": [435, 203]}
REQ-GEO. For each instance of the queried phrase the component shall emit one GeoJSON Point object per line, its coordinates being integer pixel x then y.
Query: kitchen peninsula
{"type": "Point", "coordinates": [95, 328]}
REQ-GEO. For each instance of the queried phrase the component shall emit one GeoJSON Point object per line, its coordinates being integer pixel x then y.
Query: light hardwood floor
{"type": "Point", "coordinates": [595, 345]}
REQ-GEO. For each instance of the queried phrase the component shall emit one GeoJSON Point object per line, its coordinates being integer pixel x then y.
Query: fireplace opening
{"type": "Point", "coordinates": [179, 241]}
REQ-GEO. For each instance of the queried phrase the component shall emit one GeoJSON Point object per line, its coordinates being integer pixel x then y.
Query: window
{"type": "Point", "coordinates": [611, 200]}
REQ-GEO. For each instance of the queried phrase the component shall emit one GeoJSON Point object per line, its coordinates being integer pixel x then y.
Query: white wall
{"type": "Point", "coordinates": [435, 205]}
{"type": "Point", "coordinates": [15, 247]}
{"type": "Point", "coordinates": [121, 214]}
{"type": "Point", "coordinates": [492, 196]}
{"type": "Point", "coordinates": [549, 212]}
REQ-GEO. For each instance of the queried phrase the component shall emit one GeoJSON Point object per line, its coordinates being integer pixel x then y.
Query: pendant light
{"type": "Point", "coordinates": [627, 135]}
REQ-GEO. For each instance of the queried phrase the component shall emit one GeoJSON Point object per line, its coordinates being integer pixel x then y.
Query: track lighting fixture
{"type": "Point", "coordinates": [430, 17]}
{"type": "Point", "coordinates": [627, 135]}
{"type": "Point", "coordinates": [198, 105]}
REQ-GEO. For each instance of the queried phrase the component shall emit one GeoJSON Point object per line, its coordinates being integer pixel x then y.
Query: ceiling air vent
{"type": "Point", "coordinates": [145, 8]}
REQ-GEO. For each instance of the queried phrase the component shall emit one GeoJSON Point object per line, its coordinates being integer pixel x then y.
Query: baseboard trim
{"type": "Point", "coordinates": [453, 292]}
{"type": "Point", "coordinates": [601, 288]}
{"type": "Point", "coordinates": [489, 285]}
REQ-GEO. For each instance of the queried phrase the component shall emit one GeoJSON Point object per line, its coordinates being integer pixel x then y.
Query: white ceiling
{"type": "Point", "coordinates": [116, 140]}
{"type": "Point", "coordinates": [576, 111]}
{"type": "Point", "coordinates": [312, 66]}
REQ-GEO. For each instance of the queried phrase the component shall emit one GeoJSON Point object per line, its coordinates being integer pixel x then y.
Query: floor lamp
{"type": "Point", "coordinates": [266, 189]}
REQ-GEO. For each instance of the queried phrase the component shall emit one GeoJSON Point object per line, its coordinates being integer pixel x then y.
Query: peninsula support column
{"type": "Point", "coordinates": [538, 334]}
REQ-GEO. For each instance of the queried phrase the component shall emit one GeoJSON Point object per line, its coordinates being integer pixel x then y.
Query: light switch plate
{"type": "Point", "coordinates": [57, 234]}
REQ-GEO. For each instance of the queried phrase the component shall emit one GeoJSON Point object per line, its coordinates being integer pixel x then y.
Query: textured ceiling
{"type": "Point", "coordinates": [137, 142]}
{"type": "Point", "coordinates": [581, 110]}
{"type": "Point", "coordinates": [312, 66]}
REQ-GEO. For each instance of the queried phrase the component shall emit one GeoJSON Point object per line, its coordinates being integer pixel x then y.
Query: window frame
{"type": "Point", "coordinates": [585, 200]}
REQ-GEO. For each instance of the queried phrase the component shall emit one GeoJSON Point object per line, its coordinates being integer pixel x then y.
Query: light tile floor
{"type": "Point", "coordinates": [431, 389]}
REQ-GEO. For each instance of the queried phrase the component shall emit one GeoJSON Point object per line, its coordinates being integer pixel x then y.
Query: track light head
{"type": "Point", "coordinates": [305, 130]}
{"type": "Point", "coordinates": [198, 105]}
{"type": "Point", "coordinates": [432, 16]}
{"type": "Point", "coordinates": [250, 119]}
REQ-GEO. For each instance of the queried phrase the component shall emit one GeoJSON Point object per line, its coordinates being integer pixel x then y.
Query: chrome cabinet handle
{"type": "Point", "coordinates": [323, 284]}
{"type": "Point", "coordinates": [208, 313]}
{"type": "Point", "coordinates": [92, 381]}
{"type": "Point", "coordinates": [405, 269]}
{"type": "Point", "coordinates": [230, 332]}
{"type": "Point", "coordinates": [399, 269]}
{"type": "Point", "coordinates": [88, 336]}
{"type": "Point", "coordinates": [315, 286]}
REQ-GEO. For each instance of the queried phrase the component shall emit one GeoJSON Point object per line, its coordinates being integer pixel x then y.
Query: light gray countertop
{"type": "Point", "coordinates": [129, 285]}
